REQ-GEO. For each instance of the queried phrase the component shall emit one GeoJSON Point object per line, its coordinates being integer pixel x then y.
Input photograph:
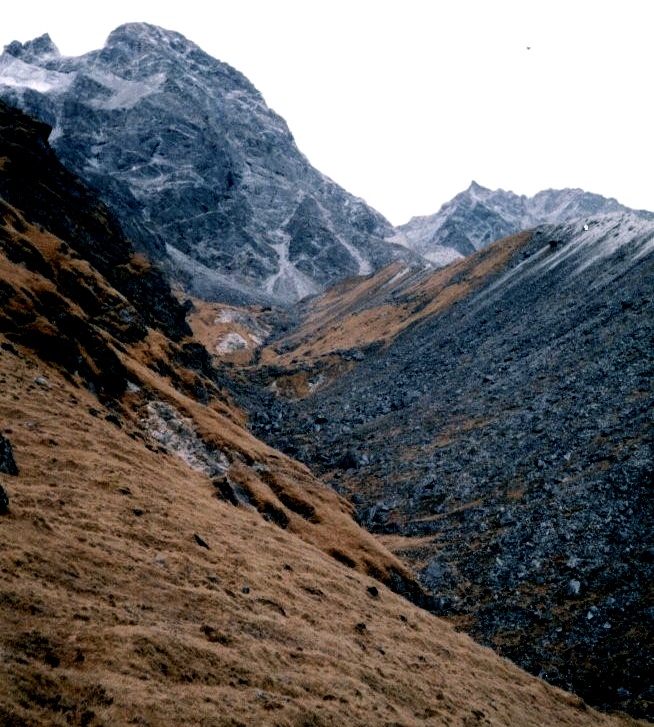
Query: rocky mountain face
{"type": "Point", "coordinates": [32, 179]}
{"type": "Point", "coordinates": [183, 149]}
{"type": "Point", "coordinates": [492, 421]}
{"type": "Point", "coordinates": [206, 178]}
{"type": "Point", "coordinates": [478, 216]}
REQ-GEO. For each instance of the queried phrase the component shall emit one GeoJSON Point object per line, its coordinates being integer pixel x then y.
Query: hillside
{"type": "Point", "coordinates": [114, 613]}
{"type": "Point", "coordinates": [492, 422]}
{"type": "Point", "coordinates": [159, 564]}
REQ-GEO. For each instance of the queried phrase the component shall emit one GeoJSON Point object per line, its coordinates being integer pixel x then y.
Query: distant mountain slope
{"type": "Point", "coordinates": [159, 564]}
{"type": "Point", "coordinates": [493, 420]}
{"type": "Point", "coordinates": [185, 151]}
{"type": "Point", "coordinates": [478, 216]}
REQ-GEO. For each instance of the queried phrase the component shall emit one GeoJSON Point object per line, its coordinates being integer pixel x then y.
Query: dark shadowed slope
{"type": "Point", "coordinates": [493, 422]}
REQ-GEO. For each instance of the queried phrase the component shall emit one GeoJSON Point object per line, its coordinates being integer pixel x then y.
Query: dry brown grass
{"type": "Point", "coordinates": [360, 312]}
{"type": "Point", "coordinates": [213, 323]}
{"type": "Point", "coordinates": [113, 614]}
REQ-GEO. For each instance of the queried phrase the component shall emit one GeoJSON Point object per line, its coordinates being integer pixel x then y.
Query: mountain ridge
{"type": "Point", "coordinates": [207, 179]}
{"type": "Point", "coordinates": [167, 134]}
{"type": "Point", "coordinates": [478, 216]}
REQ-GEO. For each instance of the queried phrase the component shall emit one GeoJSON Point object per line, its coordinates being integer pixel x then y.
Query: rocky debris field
{"type": "Point", "coordinates": [504, 446]}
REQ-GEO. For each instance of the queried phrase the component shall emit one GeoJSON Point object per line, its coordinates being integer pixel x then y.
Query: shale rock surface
{"type": "Point", "coordinates": [503, 445]}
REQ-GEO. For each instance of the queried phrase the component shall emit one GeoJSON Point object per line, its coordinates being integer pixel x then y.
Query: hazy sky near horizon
{"type": "Point", "coordinates": [405, 102]}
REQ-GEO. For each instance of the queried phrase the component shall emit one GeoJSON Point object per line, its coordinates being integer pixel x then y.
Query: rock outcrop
{"type": "Point", "coordinates": [7, 461]}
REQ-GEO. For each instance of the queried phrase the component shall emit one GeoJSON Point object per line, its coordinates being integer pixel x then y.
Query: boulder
{"type": "Point", "coordinates": [7, 461]}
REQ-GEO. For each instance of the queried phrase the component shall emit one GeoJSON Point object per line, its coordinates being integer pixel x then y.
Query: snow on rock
{"type": "Point", "coordinates": [201, 172]}
{"type": "Point", "coordinates": [125, 94]}
{"type": "Point", "coordinates": [591, 252]}
{"type": "Point", "coordinates": [18, 75]}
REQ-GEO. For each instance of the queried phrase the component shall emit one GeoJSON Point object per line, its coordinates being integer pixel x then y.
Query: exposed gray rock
{"type": "Point", "coordinates": [201, 541]}
{"type": "Point", "coordinates": [478, 216]}
{"type": "Point", "coordinates": [536, 506]}
{"type": "Point", "coordinates": [176, 433]}
{"type": "Point", "coordinates": [574, 587]}
{"type": "Point", "coordinates": [199, 170]}
{"type": "Point", "coordinates": [4, 500]}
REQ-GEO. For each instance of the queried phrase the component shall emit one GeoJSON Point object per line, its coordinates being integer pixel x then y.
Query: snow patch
{"type": "Point", "coordinates": [289, 282]}
{"type": "Point", "coordinates": [15, 73]}
{"type": "Point", "coordinates": [397, 277]}
{"type": "Point", "coordinates": [125, 94]}
{"type": "Point", "coordinates": [242, 318]}
{"type": "Point", "coordinates": [230, 315]}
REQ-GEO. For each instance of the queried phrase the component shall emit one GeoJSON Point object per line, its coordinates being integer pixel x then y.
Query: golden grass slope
{"type": "Point", "coordinates": [112, 613]}
{"type": "Point", "coordinates": [273, 484]}
{"type": "Point", "coordinates": [360, 312]}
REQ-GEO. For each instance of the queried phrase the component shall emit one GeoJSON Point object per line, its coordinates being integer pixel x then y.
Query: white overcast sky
{"type": "Point", "coordinates": [405, 102]}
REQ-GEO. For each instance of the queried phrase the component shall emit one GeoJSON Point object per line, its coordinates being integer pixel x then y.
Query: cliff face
{"type": "Point", "coordinates": [202, 173]}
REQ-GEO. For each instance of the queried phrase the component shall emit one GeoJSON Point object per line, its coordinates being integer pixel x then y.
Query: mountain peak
{"type": "Point", "coordinates": [476, 187]}
{"type": "Point", "coordinates": [138, 36]}
{"type": "Point", "coordinates": [478, 216]}
{"type": "Point", "coordinates": [38, 49]}
{"type": "Point", "coordinates": [199, 161]}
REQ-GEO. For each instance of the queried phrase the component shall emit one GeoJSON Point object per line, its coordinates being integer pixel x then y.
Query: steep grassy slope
{"type": "Point", "coordinates": [114, 612]}
{"type": "Point", "coordinates": [161, 566]}
{"type": "Point", "coordinates": [155, 383]}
